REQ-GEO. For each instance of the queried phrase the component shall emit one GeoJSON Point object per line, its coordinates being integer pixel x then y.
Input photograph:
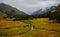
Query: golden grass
{"type": "Point", "coordinates": [42, 28]}
{"type": "Point", "coordinates": [4, 23]}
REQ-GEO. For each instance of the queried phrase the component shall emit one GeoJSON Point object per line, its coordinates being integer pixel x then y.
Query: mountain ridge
{"type": "Point", "coordinates": [41, 11]}
{"type": "Point", "coordinates": [9, 10]}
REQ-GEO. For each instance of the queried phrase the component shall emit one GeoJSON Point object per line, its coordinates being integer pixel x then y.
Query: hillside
{"type": "Point", "coordinates": [2, 16]}
{"type": "Point", "coordinates": [9, 10]}
{"type": "Point", "coordinates": [55, 14]}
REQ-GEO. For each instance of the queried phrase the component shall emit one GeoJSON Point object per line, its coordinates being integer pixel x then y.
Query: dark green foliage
{"type": "Point", "coordinates": [54, 15]}
{"type": "Point", "coordinates": [12, 12]}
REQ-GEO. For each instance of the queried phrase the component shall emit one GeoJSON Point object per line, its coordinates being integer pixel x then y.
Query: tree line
{"type": "Point", "coordinates": [52, 15]}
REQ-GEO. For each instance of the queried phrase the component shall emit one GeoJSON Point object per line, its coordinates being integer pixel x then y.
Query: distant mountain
{"type": "Point", "coordinates": [9, 10]}
{"type": "Point", "coordinates": [53, 14]}
{"type": "Point", "coordinates": [52, 8]}
{"type": "Point", "coordinates": [41, 11]}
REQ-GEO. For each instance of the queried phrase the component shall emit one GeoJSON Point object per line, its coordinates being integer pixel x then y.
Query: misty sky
{"type": "Point", "coordinates": [30, 6]}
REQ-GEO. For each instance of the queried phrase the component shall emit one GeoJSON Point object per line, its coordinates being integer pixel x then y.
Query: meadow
{"type": "Point", "coordinates": [42, 27]}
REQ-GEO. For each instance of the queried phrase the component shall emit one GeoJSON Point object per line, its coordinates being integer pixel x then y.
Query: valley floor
{"type": "Point", "coordinates": [40, 27]}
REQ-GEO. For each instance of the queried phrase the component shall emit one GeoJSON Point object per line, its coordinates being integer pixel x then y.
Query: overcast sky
{"type": "Point", "coordinates": [30, 6]}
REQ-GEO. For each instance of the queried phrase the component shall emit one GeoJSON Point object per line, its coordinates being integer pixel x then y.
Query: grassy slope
{"type": "Point", "coordinates": [42, 28]}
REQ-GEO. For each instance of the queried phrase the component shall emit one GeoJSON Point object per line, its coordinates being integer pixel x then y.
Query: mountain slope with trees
{"type": "Point", "coordinates": [12, 12]}
{"type": "Point", "coordinates": [53, 15]}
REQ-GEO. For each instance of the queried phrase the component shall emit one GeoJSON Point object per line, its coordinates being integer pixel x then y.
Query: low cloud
{"type": "Point", "coordinates": [30, 6]}
{"type": "Point", "coordinates": [1, 1]}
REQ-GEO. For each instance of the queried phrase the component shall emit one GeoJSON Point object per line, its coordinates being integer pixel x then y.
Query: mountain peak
{"type": "Point", "coordinates": [43, 10]}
